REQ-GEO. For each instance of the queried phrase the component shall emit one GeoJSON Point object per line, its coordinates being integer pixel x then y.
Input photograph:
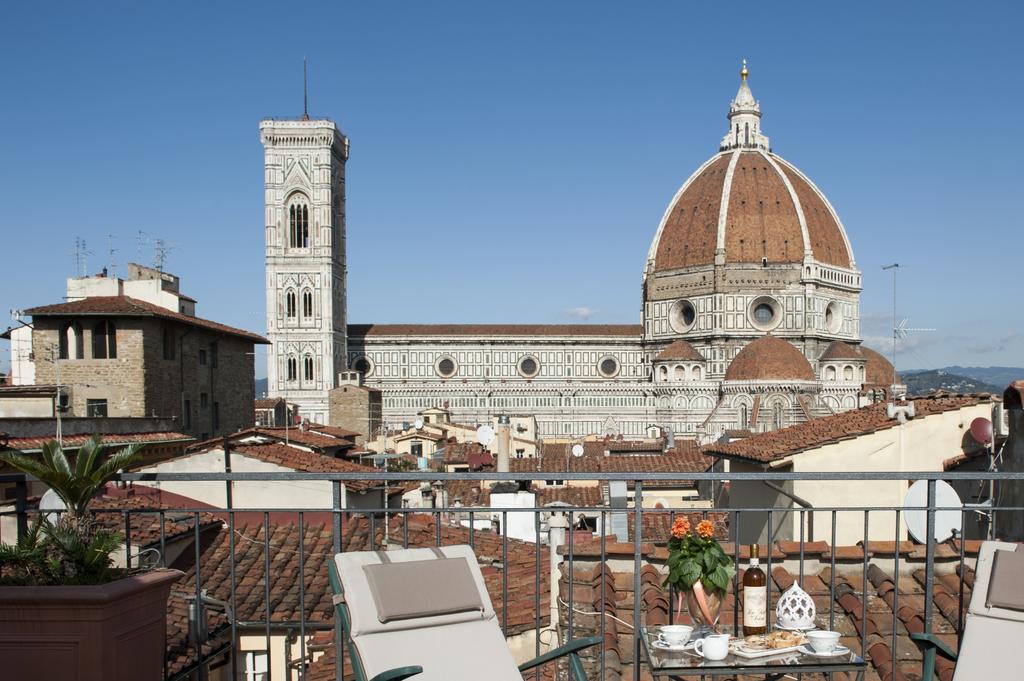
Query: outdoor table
{"type": "Point", "coordinates": [686, 663]}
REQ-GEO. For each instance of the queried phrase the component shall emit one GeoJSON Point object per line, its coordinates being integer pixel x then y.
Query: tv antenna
{"type": "Point", "coordinates": [111, 263]}
{"type": "Point", "coordinates": [305, 89]}
{"type": "Point", "coordinates": [81, 255]}
{"type": "Point", "coordinates": [161, 249]}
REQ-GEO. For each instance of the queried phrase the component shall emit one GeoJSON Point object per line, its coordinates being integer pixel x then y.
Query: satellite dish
{"type": "Point", "coordinates": [577, 450]}
{"type": "Point", "coordinates": [419, 424]}
{"type": "Point", "coordinates": [485, 435]}
{"type": "Point", "coordinates": [51, 503]}
{"type": "Point", "coordinates": [946, 521]}
{"type": "Point", "coordinates": [981, 430]}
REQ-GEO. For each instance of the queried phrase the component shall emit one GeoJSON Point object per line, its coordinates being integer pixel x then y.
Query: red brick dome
{"type": "Point", "coordinates": [754, 206]}
{"type": "Point", "coordinates": [769, 359]}
{"type": "Point", "coordinates": [878, 370]}
{"type": "Point", "coordinates": [679, 350]}
{"type": "Point", "coordinates": [840, 350]}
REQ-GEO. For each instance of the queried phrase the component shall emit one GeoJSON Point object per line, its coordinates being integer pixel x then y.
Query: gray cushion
{"type": "Point", "coordinates": [1006, 583]}
{"type": "Point", "coordinates": [422, 588]}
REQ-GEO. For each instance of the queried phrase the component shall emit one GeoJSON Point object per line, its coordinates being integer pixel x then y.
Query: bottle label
{"type": "Point", "coordinates": [755, 605]}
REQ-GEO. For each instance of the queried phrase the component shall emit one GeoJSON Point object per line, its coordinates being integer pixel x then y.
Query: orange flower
{"type": "Point", "coordinates": [705, 529]}
{"type": "Point", "coordinates": [680, 527]}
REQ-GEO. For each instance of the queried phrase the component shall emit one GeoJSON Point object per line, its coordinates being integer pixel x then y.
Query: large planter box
{"type": "Point", "coordinates": [113, 632]}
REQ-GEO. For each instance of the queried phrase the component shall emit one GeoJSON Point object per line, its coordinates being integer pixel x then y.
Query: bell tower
{"type": "Point", "coordinates": [304, 179]}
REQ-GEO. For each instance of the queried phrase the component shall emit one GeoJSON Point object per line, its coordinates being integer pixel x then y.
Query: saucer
{"type": "Point", "coordinates": [665, 646]}
{"type": "Point", "coordinates": [806, 649]}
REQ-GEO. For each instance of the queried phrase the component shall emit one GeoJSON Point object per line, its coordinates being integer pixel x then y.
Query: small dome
{"type": "Point", "coordinates": [879, 370]}
{"type": "Point", "coordinates": [841, 350]}
{"type": "Point", "coordinates": [769, 359]}
{"type": "Point", "coordinates": [679, 350]}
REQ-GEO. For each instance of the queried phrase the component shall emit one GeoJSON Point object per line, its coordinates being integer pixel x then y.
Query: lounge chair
{"type": "Point", "coordinates": [994, 626]}
{"type": "Point", "coordinates": [425, 613]}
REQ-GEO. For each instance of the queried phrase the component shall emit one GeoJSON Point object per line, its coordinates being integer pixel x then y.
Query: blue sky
{"type": "Point", "coordinates": [511, 161]}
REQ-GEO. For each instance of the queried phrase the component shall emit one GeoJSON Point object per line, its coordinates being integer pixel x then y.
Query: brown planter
{"type": "Point", "coordinates": [112, 632]}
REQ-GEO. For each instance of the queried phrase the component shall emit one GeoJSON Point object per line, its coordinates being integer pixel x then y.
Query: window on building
{"type": "Point", "coordinates": [168, 341]}
{"type": "Point", "coordinates": [104, 341]}
{"type": "Point", "coordinates": [289, 304]}
{"type": "Point", "coordinates": [744, 417]}
{"type": "Point", "coordinates": [70, 341]}
{"type": "Point", "coordinates": [778, 420]}
{"type": "Point", "coordinates": [307, 367]}
{"type": "Point", "coordinates": [96, 408]}
{"type": "Point", "coordinates": [307, 304]}
{"type": "Point", "coordinates": [417, 449]}
{"type": "Point", "coordinates": [298, 225]}
{"type": "Point", "coordinates": [202, 356]}
{"type": "Point", "coordinates": [203, 400]}
{"type": "Point", "coordinates": [293, 369]}
{"type": "Point", "coordinates": [216, 415]}
{"type": "Point", "coordinates": [256, 665]}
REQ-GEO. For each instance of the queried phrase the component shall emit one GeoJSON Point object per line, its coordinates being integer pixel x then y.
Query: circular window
{"type": "Point", "coordinates": [833, 319]}
{"type": "Point", "coordinates": [446, 367]}
{"type": "Point", "coordinates": [682, 315]}
{"type": "Point", "coordinates": [363, 365]}
{"type": "Point", "coordinates": [529, 367]}
{"type": "Point", "coordinates": [608, 366]}
{"type": "Point", "coordinates": [765, 313]}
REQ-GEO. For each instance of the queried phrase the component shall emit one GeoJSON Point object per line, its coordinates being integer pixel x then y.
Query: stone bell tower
{"type": "Point", "coordinates": [304, 178]}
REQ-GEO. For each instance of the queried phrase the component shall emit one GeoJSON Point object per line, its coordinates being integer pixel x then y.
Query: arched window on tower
{"type": "Point", "coordinates": [663, 373]}
{"type": "Point", "coordinates": [848, 373]}
{"type": "Point", "coordinates": [293, 369]}
{"type": "Point", "coordinates": [289, 304]}
{"type": "Point", "coordinates": [830, 373]}
{"type": "Point", "coordinates": [307, 367]}
{"type": "Point", "coordinates": [70, 341]}
{"type": "Point", "coordinates": [744, 417]}
{"type": "Point", "coordinates": [695, 372]}
{"type": "Point", "coordinates": [104, 341]}
{"type": "Point", "coordinates": [298, 224]}
{"type": "Point", "coordinates": [778, 419]}
{"type": "Point", "coordinates": [307, 304]}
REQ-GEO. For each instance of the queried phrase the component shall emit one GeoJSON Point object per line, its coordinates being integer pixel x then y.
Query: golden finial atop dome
{"type": "Point", "coordinates": [744, 72]}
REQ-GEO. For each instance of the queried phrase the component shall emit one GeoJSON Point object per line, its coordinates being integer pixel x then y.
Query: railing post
{"type": "Point", "coordinates": [20, 506]}
{"type": "Point", "coordinates": [339, 651]}
{"type": "Point", "coordinates": [928, 665]}
{"type": "Point", "coordinates": [638, 502]}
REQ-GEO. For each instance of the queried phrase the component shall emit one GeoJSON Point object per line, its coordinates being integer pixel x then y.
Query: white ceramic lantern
{"type": "Point", "coordinates": [795, 609]}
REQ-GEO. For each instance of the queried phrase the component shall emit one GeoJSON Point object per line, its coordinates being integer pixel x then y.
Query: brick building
{"type": "Point", "coordinates": [135, 348]}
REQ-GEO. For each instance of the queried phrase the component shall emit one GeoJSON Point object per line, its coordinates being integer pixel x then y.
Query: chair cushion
{"type": "Point", "coordinates": [363, 609]}
{"type": "Point", "coordinates": [1006, 581]}
{"type": "Point", "coordinates": [983, 576]}
{"type": "Point", "coordinates": [422, 588]}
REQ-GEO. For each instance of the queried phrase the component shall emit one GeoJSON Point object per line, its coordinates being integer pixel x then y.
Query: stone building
{"type": "Point", "coordinates": [750, 314]}
{"type": "Point", "coordinates": [134, 348]}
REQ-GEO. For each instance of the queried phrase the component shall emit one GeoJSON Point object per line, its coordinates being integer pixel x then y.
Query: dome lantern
{"type": "Point", "coordinates": [744, 119]}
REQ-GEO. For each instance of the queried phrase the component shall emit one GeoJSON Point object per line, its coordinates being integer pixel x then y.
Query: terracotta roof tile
{"type": "Point", "coordinates": [112, 440]}
{"type": "Point", "coordinates": [840, 350]}
{"type": "Point", "coordinates": [309, 462]}
{"type": "Point", "coordinates": [769, 358]}
{"type": "Point", "coordinates": [778, 444]}
{"type": "Point", "coordinates": [124, 306]}
{"type": "Point", "coordinates": [679, 350]}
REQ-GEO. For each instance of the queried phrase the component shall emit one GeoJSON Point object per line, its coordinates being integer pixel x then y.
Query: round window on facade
{"type": "Point", "coordinates": [833, 318]}
{"type": "Point", "coordinates": [363, 365]}
{"type": "Point", "coordinates": [765, 313]}
{"type": "Point", "coordinates": [446, 367]}
{"type": "Point", "coordinates": [528, 367]}
{"type": "Point", "coordinates": [682, 315]}
{"type": "Point", "coordinates": [608, 366]}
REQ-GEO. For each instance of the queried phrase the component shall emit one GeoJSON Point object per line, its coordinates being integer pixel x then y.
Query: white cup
{"type": "Point", "coordinates": [712, 646]}
{"type": "Point", "coordinates": [823, 641]}
{"type": "Point", "coordinates": [675, 635]}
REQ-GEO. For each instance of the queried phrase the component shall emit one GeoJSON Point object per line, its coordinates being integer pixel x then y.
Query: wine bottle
{"type": "Point", "coordinates": [755, 596]}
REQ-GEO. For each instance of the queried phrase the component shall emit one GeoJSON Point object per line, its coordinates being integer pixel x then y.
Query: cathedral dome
{"type": "Point", "coordinates": [748, 205]}
{"type": "Point", "coordinates": [679, 350]}
{"type": "Point", "coordinates": [879, 370]}
{"type": "Point", "coordinates": [769, 359]}
{"type": "Point", "coordinates": [841, 350]}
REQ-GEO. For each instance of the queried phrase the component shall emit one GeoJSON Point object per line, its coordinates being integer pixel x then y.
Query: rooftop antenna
{"type": "Point", "coordinates": [140, 245]}
{"type": "Point", "coordinates": [305, 90]}
{"type": "Point", "coordinates": [895, 266]}
{"type": "Point", "coordinates": [111, 263]}
{"type": "Point", "coordinates": [81, 254]}
{"type": "Point", "coordinates": [161, 249]}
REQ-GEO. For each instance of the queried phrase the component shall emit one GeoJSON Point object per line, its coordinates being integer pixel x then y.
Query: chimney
{"type": "Point", "coordinates": [503, 442]}
{"type": "Point", "coordinates": [1009, 525]}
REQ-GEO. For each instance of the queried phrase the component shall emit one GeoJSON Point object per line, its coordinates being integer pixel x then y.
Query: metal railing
{"type": "Point", "coordinates": [382, 518]}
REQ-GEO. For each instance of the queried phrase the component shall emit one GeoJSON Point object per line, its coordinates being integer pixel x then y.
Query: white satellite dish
{"type": "Point", "coordinates": [946, 521]}
{"type": "Point", "coordinates": [577, 450]}
{"type": "Point", "coordinates": [419, 424]}
{"type": "Point", "coordinates": [485, 435]}
{"type": "Point", "coordinates": [51, 503]}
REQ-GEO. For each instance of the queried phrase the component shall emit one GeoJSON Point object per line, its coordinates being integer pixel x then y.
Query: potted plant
{"type": "Point", "coordinates": [65, 611]}
{"type": "Point", "coordinates": [699, 570]}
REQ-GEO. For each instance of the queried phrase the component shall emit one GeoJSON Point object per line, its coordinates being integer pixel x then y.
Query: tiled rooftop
{"type": "Point", "coordinates": [111, 440]}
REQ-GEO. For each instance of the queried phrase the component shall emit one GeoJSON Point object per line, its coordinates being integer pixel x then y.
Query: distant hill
{"type": "Point", "coordinates": [261, 387]}
{"type": "Point", "coordinates": [999, 376]}
{"type": "Point", "coordinates": [924, 382]}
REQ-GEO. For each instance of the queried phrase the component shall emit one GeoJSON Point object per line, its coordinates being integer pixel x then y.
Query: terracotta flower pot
{"type": "Point", "coordinates": [113, 632]}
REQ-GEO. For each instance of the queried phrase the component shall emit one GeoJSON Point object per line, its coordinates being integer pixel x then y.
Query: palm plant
{"type": "Point", "coordinates": [73, 549]}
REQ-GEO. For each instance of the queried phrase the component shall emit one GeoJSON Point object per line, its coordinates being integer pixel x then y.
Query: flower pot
{"type": "Point", "coordinates": [108, 632]}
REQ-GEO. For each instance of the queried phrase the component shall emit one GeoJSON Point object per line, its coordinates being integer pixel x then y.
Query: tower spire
{"type": "Point", "coordinates": [744, 119]}
{"type": "Point", "coordinates": [305, 90]}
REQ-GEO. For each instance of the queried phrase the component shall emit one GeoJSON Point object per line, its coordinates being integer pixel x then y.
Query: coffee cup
{"type": "Point", "coordinates": [712, 647]}
{"type": "Point", "coordinates": [823, 642]}
{"type": "Point", "coordinates": [674, 635]}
